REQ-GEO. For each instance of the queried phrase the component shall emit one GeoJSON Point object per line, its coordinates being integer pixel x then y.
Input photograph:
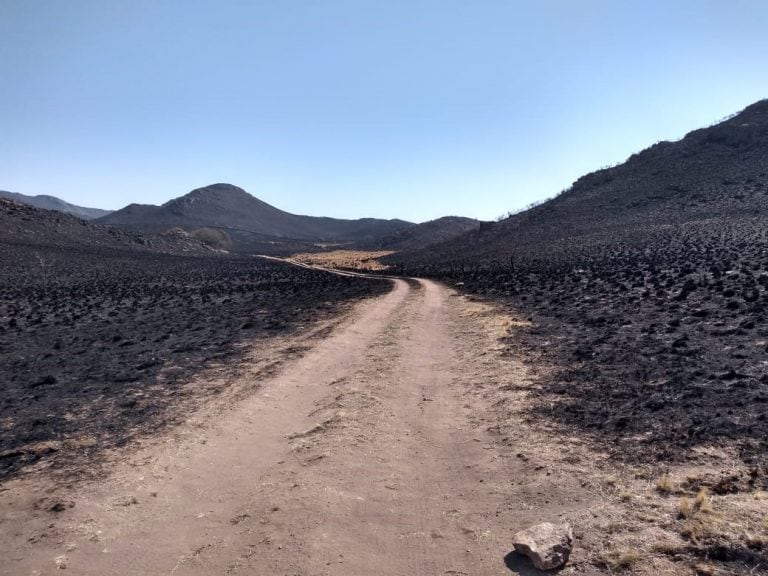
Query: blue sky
{"type": "Point", "coordinates": [411, 109]}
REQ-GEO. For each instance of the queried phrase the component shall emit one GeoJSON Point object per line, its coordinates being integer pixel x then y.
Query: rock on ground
{"type": "Point", "coordinates": [547, 545]}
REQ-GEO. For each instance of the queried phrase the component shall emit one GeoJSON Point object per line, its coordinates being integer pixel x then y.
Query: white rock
{"type": "Point", "coordinates": [547, 545]}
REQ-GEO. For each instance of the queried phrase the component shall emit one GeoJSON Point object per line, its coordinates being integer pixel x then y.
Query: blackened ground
{"type": "Point", "coordinates": [97, 344]}
{"type": "Point", "coordinates": [658, 335]}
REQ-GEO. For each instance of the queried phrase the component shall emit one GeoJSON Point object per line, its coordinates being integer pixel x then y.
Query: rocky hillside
{"type": "Point", "coordinates": [715, 172]}
{"type": "Point", "coordinates": [29, 227]}
{"type": "Point", "coordinates": [53, 203]}
{"type": "Point", "coordinates": [251, 224]}
{"type": "Point", "coordinates": [646, 285]}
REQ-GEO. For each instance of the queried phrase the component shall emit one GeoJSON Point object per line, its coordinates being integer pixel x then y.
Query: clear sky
{"type": "Point", "coordinates": [398, 108]}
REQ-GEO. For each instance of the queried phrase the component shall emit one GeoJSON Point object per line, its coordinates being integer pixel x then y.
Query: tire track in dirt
{"type": "Point", "coordinates": [399, 481]}
{"type": "Point", "coordinates": [181, 506]}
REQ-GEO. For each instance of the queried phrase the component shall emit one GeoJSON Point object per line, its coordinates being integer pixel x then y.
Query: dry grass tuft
{"type": "Point", "coordinates": [686, 508]}
{"type": "Point", "coordinates": [703, 502]}
{"type": "Point", "coordinates": [621, 560]}
{"type": "Point", "coordinates": [640, 473]}
{"type": "Point", "coordinates": [698, 529]}
{"type": "Point", "coordinates": [611, 481]}
{"type": "Point", "coordinates": [664, 485]}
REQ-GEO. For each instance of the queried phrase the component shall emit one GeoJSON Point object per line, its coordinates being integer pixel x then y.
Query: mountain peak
{"type": "Point", "coordinates": [212, 193]}
{"type": "Point", "coordinates": [218, 188]}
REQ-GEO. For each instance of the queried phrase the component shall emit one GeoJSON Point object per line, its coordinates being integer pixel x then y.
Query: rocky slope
{"type": "Point", "coordinates": [647, 287]}
{"type": "Point", "coordinates": [22, 225]}
{"type": "Point", "coordinates": [715, 172]}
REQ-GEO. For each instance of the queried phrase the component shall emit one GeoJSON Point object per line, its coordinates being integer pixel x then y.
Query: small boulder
{"type": "Point", "coordinates": [547, 545]}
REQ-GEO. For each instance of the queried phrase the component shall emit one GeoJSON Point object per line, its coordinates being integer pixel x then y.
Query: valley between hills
{"type": "Point", "coordinates": [215, 386]}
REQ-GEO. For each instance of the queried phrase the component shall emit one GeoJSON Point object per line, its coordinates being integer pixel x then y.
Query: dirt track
{"type": "Point", "coordinates": [368, 455]}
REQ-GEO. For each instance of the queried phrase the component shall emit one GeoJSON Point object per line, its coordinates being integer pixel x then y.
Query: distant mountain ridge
{"type": "Point", "coordinates": [53, 203]}
{"type": "Point", "coordinates": [243, 223]}
{"type": "Point", "coordinates": [251, 223]}
{"type": "Point", "coordinates": [425, 234]}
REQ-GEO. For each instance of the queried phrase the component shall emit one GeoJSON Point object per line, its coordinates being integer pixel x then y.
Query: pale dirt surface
{"type": "Point", "coordinates": [357, 259]}
{"type": "Point", "coordinates": [390, 447]}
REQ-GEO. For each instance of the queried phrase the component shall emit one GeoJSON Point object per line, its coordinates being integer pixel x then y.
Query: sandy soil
{"type": "Point", "coordinates": [349, 259]}
{"type": "Point", "coordinates": [378, 451]}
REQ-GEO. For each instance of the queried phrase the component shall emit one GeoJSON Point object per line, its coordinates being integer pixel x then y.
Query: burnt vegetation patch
{"type": "Point", "coordinates": [658, 338]}
{"type": "Point", "coordinates": [98, 345]}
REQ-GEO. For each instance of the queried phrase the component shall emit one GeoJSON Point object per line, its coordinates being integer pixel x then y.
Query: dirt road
{"type": "Point", "coordinates": [376, 452]}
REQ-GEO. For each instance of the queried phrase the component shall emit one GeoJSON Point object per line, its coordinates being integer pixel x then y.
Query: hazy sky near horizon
{"type": "Point", "coordinates": [406, 108]}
